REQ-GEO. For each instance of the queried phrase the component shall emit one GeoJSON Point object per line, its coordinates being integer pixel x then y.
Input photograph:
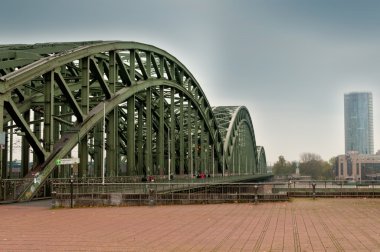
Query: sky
{"type": "Point", "coordinates": [290, 62]}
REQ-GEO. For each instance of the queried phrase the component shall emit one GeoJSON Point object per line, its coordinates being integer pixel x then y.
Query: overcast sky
{"type": "Point", "coordinates": [289, 62]}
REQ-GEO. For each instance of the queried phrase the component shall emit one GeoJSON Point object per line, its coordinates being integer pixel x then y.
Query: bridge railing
{"type": "Point", "coordinates": [330, 184]}
{"type": "Point", "coordinates": [161, 193]}
{"type": "Point", "coordinates": [11, 188]}
{"type": "Point", "coordinates": [330, 188]}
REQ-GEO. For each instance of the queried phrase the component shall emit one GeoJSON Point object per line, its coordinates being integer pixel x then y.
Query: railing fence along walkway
{"type": "Point", "coordinates": [127, 191]}
{"type": "Point", "coordinates": [97, 194]}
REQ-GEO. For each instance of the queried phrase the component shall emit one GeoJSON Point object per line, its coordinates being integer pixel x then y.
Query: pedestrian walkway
{"type": "Point", "coordinates": [299, 225]}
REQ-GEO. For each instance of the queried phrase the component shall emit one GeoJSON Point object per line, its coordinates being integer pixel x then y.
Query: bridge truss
{"type": "Point", "coordinates": [123, 108]}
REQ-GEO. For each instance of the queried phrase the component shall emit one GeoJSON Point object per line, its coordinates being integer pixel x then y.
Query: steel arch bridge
{"type": "Point", "coordinates": [123, 108]}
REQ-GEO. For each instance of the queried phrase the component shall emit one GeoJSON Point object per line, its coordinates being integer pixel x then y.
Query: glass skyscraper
{"type": "Point", "coordinates": [358, 122]}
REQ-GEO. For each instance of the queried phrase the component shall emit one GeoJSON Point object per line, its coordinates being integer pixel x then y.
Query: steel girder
{"type": "Point", "coordinates": [262, 161]}
{"type": "Point", "coordinates": [235, 126]}
{"type": "Point", "coordinates": [157, 119]}
{"type": "Point", "coordinates": [70, 87]}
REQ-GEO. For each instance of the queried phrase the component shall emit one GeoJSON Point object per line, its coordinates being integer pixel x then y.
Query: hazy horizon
{"type": "Point", "coordinates": [289, 62]}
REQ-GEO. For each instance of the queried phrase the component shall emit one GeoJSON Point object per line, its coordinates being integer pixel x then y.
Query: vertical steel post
{"type": "Point", "coordinates": [181, 137]}
{"type": "Point", "coordinates": [149, 126]}
{"type": "Point", "coordinates": [98, 148]}
{"type": "Point", "coordinates": [161, 131]}
{"type": "Point", "coordinates": [25, 149]}
{"type": "Point", "coordinates": [189, 141]}
{"type": "Point", "coordinates": [104, 143]}
{"type": "Point", "coordinates": [168, 154]}
{"type": "Point", "coordinates": [213, 161]}
{"type": "Point", "coordinates": [131, 135]}
{"type": "Point", "coordinates": [140, 148]}
{"type": "Point", "coordinates": [132, 60]}
{"type": "Point", "coordinates": [196, 141]}
{"type": "Point", "coordinates": [85, 91]}
{"type": "Point", "coordinates": [48, 111]}
{"type": "Point", "coordinates": [172, 131]}
{"type": "Point", "coordinates": [113, 125]}
{"type": "Point", "coordinates": [203, 150]}
{"type": "Point", "coordinates": [10, 149]}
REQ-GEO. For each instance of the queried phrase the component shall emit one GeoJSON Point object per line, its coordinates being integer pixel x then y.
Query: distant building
{"type": "Point", "coordinates": [358, 122]}
{"type": "Point", "coordinates": [356, 166]}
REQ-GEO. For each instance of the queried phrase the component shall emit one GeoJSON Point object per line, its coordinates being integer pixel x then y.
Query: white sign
{"type": "Point", "coordinates": [65, 161]}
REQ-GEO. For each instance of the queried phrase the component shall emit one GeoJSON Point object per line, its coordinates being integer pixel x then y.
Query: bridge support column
{"type": "Point", "coordinates": [202, 145]}
{"type": "Point", "coordinates": [140, 147]}
{"type": "Point", "coordinates": [148, 149]}
{"type": "Point", "coordinates": [196, 142]}
{"type": "Point", "coordinates": [181, 137]}
{"type": "Point", "coordinates": [85, 91]}
{"type": "Point", "coordinates": [64, 170]}
{"type": "Point", "coordinates": [189, 141]}
{"type": "Point", "coordinates": [56, 136]}
{"type": "Point", "coordinates": [24, 149]}
{"type": "Point", "coordinates": [208, 154]}
{"type": "Point", "coordinates": [131, 169]}
{"type": "Point", "coordinates": [113, 122]}
{"type": "Point", "coordinates": [172, 132]}
{"type": "Point", "coordinates": [98, 150]}
{"type": "Point", "coordinates": [49, 108]}
{"type": "Point", "coordinates": [161, 132]}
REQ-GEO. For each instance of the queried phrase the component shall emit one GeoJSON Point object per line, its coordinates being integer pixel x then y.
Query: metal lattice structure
{"type": "Point", "coordinates": [125, 108]}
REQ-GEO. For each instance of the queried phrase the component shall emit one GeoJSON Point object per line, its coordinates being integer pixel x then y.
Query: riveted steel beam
{"type": "Point", "coordinates": [69, 96]}
{"type": "Point", "coordinates": [30, 136]}
{"type": "Point", "coordinates": [96, 72]}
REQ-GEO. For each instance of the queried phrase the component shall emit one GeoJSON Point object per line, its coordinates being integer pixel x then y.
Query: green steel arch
{"type": "Point", "coordinates": [262, 161]}
{"type": "Point", "coordinates": [128, 109]}
{"type": "Point", "coordinates": [240, 149]}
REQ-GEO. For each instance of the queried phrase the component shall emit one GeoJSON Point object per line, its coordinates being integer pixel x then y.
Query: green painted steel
{"type": "Point", "coordinates": [157, 119]}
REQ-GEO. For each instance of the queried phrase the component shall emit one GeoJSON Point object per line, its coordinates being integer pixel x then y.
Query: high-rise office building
{"type": "Point", "coordinates": [358, 122]}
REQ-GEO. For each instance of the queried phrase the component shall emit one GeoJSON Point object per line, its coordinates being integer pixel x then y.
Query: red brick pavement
{"type": "Point", "coordinates": [300, 225]}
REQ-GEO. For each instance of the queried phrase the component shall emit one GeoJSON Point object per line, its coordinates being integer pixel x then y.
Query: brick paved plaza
{"type": "Point", "coordinates": [300, 225]}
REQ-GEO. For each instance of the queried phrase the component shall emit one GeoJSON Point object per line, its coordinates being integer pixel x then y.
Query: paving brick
{"type": "Point", "coordinates": [299, 225]}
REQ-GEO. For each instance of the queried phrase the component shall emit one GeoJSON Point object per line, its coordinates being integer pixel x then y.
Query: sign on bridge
{"type": "Point", "coordinates": [65, 161]}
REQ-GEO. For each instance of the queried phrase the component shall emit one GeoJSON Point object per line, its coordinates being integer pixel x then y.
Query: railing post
{"type": "Point", "coordinates": [53, 199]}
{"type": "Point", "coordinates": [171, 190]}
{"type": "Point", "coordinates": [1, 189]}
{"type": "Point", "coordinates": [313, 184]}
{"type": "Point", "coordinates": [256, 197]}
{"type": "Point", "coordinates": [373, 190]}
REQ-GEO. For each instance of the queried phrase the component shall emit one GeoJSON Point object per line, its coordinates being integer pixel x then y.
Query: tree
{"type": "Point", "coordinates": [283, 167]}
{"type": "Point", "coordinates": [307, 156]}
{"type": "Point", "coordinates": [312, 165]}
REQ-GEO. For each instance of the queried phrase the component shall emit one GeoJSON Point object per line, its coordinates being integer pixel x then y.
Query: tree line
{"type": "Point", "coordinates": [310, 164]}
